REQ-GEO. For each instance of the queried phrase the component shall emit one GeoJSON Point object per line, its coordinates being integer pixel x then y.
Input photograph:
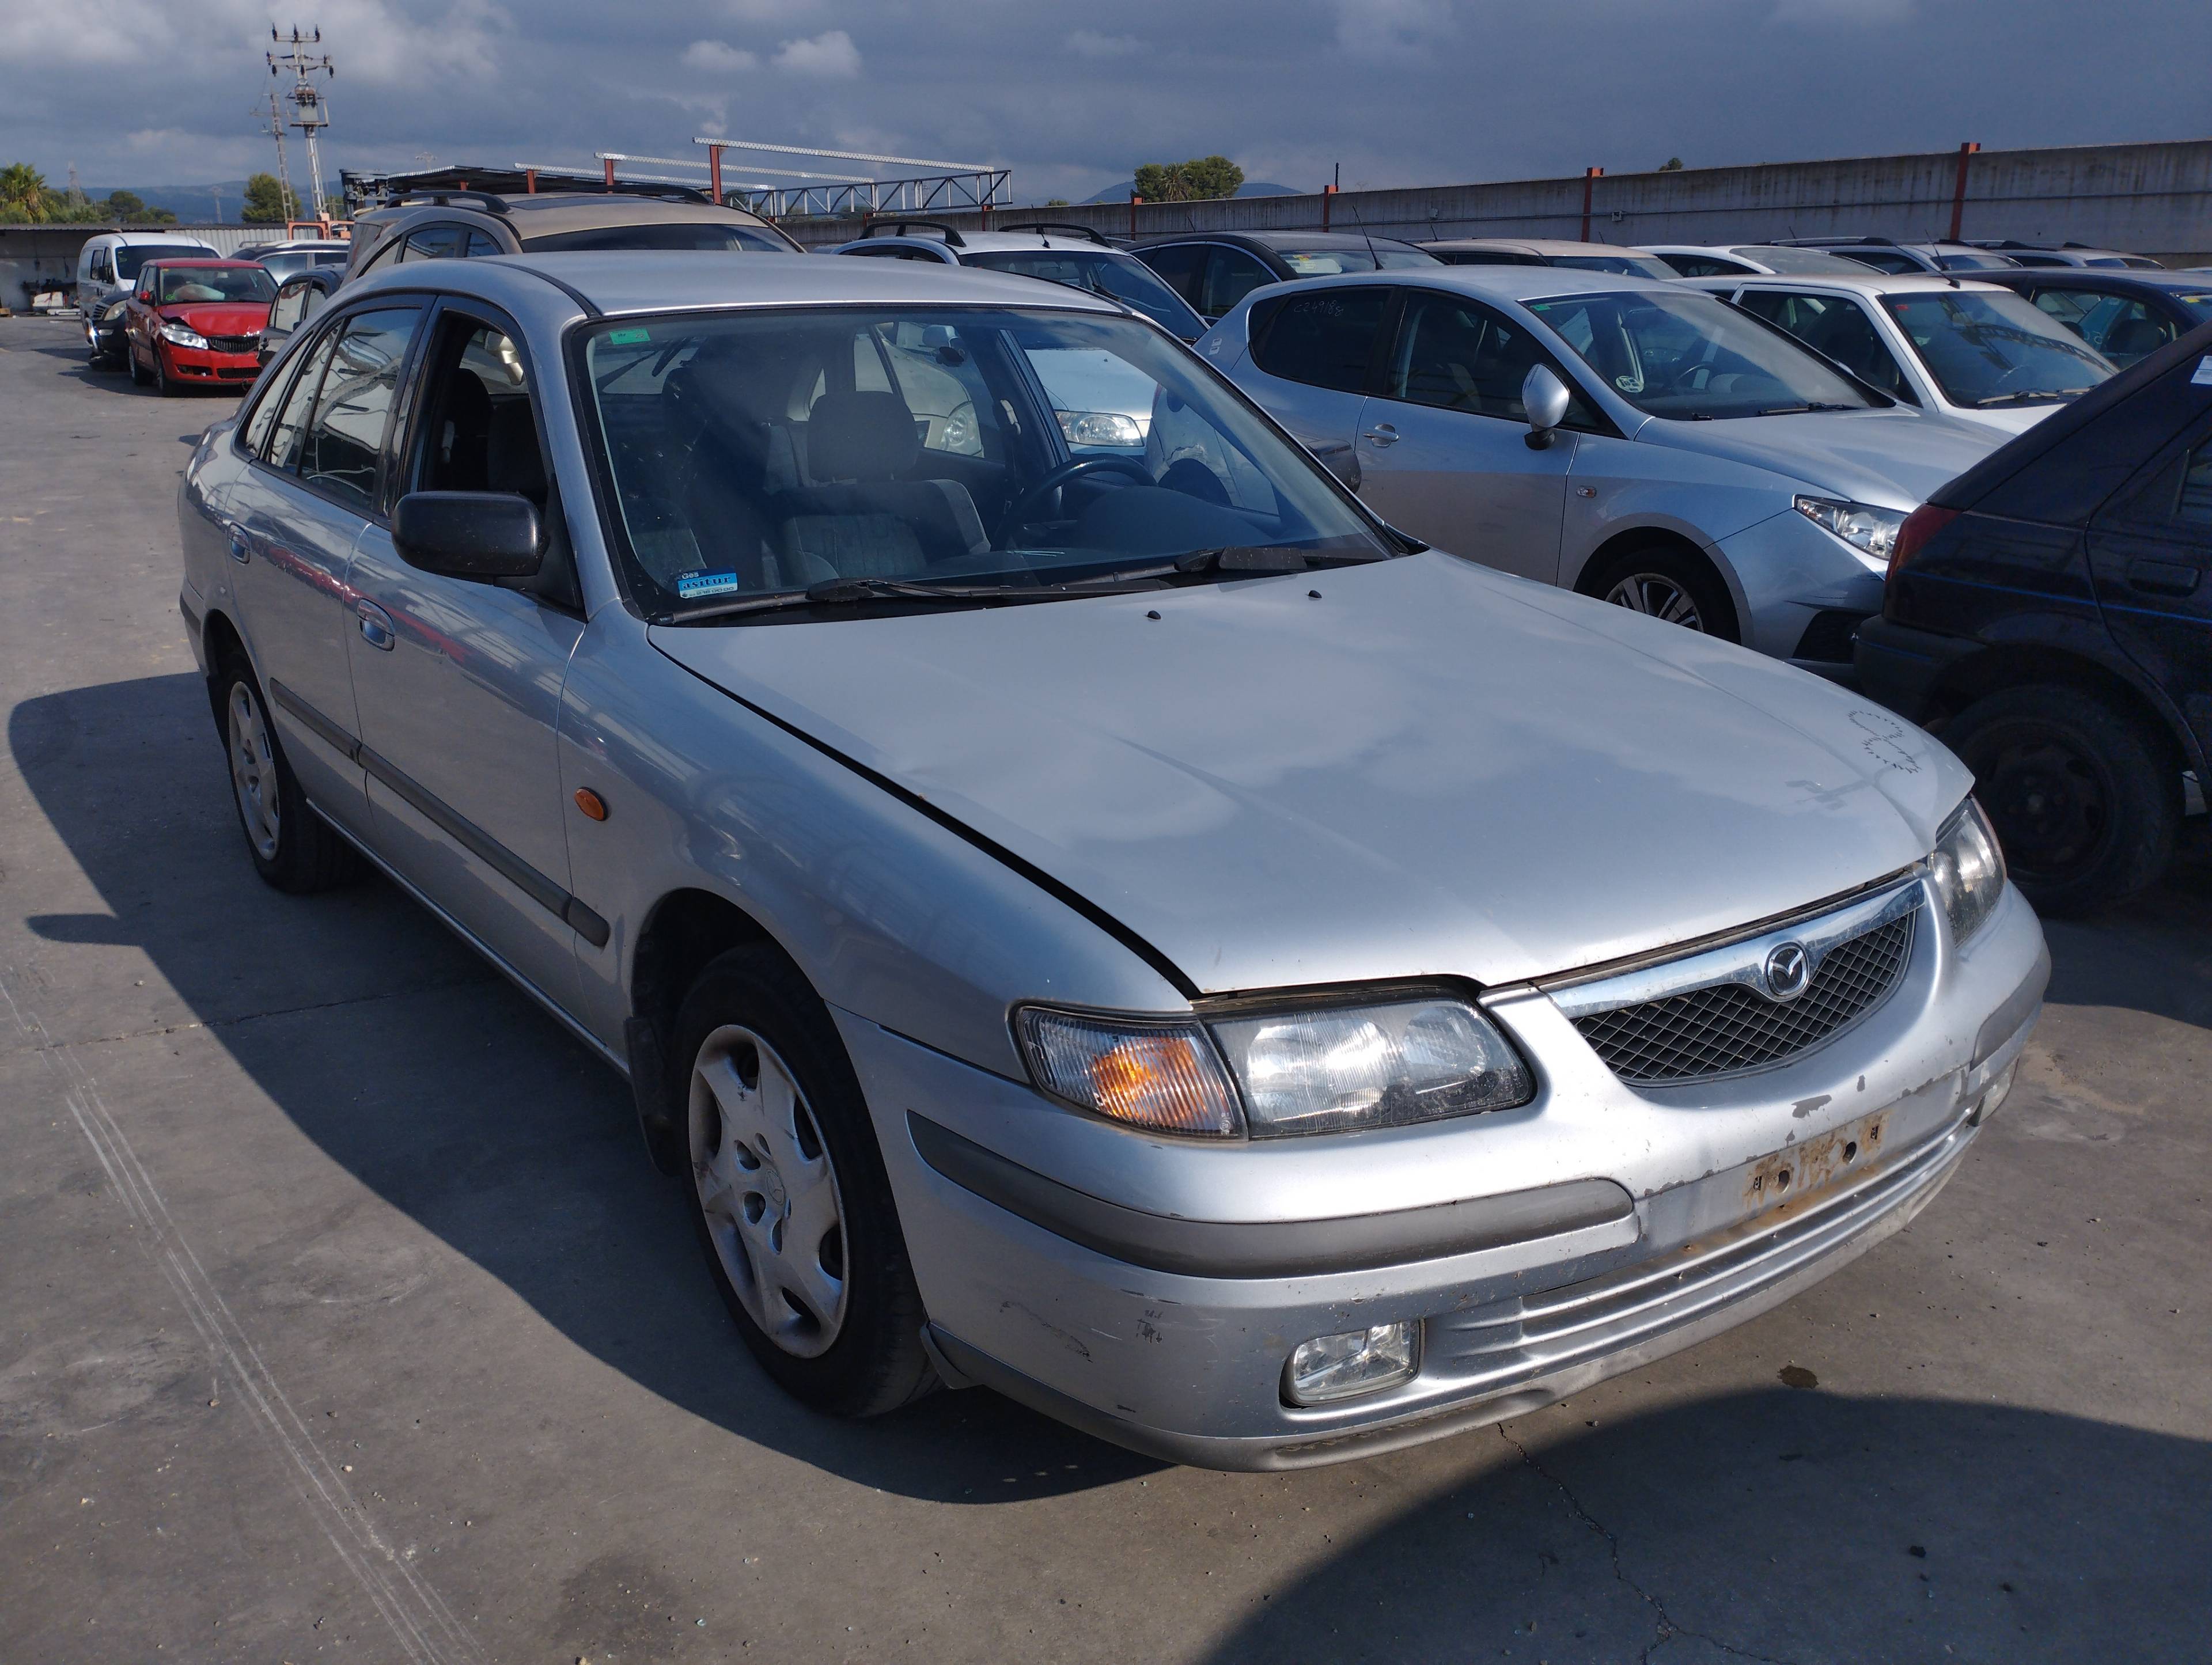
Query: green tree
{"type": "Point", "coordinates": [1672, 165]}
{"type": "Point", "coordinates": [24, 195]}
{"type": "Point", "coordinates": [266, 202]}
{"type": "Point", "coordinates": [123, 205]}
{"type": "Point", "coordinates": [1199, 180]}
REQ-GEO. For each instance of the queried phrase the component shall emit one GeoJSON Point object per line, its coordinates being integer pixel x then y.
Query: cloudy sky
{"type": "Point", "coordinates": [157, 92]}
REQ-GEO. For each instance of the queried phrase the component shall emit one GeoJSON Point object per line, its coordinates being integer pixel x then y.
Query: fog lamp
{"type": "Point", "coordinates": [1333, 1367]}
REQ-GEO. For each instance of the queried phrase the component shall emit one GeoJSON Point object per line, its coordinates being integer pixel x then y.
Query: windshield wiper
{"type": "Point", "coordinates": [1799, 410]}
{"type": "Point", "coordinates": [2031, 393]}
{"type": "Point", "coordinates": [848, 591]}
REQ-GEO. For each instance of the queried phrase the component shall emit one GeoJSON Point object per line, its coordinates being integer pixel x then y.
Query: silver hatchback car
{"type": "Point", "coordinates": [1690, 461]}
{"type": "Point", "coordinates": [1125, 930]}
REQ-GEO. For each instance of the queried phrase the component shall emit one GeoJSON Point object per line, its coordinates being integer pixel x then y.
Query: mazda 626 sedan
{"type": "Point", "coordinates": [1116, 924]}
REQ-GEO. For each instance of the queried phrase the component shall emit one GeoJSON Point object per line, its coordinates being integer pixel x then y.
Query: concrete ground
{"type": "Point", "coordinates": [342, 1317]}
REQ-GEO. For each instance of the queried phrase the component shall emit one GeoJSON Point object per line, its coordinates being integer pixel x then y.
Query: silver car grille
{"type": "Point", "coordinates": [1710, 1014]}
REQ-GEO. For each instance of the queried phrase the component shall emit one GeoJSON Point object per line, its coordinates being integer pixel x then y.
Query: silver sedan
{"type": "Point", "coordinates": [1125, 929]}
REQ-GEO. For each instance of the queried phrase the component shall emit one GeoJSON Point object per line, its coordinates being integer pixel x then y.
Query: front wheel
{"type": "Point", "coordinates": [788, 1193]}
{"type": "Point", "coordinates": [164, 383]}
{"type": "Point", "coordinates": [138, 376]}
{"type": "Point", "coordinates": [293, 848]}
{"type": "Point", "coordinates": [1670, 583]}
{"type": "Point", "coordinates": [2086, 798]}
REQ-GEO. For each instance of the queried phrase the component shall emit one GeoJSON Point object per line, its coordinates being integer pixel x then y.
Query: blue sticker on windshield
{"type": "Point", "coordinates": [691, 586]}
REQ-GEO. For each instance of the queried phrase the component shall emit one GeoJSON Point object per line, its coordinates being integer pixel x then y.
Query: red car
{"type": "Point", "coordinates": [197, 323]}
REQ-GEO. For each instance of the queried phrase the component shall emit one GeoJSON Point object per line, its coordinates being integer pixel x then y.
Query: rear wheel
{"type": "Point", "coordinates": [292, 846]}
{"type": "Point", "coordinates": [138, 375]}
{"type": "Point", "coordinates": [1667, 582]}
{"type": "Point", "coordinates": [789, 1193]}
{"type": "Point", "coordinates": [2086, 798]}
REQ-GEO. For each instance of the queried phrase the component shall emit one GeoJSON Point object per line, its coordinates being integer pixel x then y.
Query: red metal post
{"type": "Point", "coordinates": [1589, 174]}
{"type": "Point", "coordinates": [530, 181]}
{"type": "Point", "coordinates": [1327, 191]}
{"type": "Point", "coordinates": [714, 173]}
{"type": "Point", "coordinates": [608, 168]}
{"type": "Point", "coordinates": [1959, 192]}
{"type": "Point", "coordinates": [1133, 200]}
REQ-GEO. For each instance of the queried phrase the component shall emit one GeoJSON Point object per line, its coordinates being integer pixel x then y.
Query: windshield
{"type": "Point", "coordinates": [1327, 263]}
{"type": "Point", "coordinates": [710, 234]}
{"type": "Point", "coordinates": [1621, 265]}
{"type": "Point", "coordinates": [1988, 346]}
{"type": "Point", "coordinates": [766, 452]}
{"type": "Point", "coordinates": [1687, 356]}
{"type": "Point", "coordinates": [1972, 260]}
{"type": "Point", "coordinates": [287, 263]}
{"type": "Point", "coordinates": [1121, 276]}
{"type": "Point", "coordinates": [1797, 263]}
{"type": "Point", "coordinates": [130, 256]}
{"type": "Point", "coordinates": [183, 286]}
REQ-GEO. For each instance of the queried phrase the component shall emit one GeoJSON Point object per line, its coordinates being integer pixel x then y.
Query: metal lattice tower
{"type": "Point", "coordinates": [309, 113]}
{"type": "Point", "coordinates": [275, 129]}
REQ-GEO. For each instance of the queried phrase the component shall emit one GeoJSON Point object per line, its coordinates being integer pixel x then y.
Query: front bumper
{"type": "Point", "coordinates": [1789, 572]}
{"type": "Point", "coordinates": [1104, 1313]}
{"type": "Point", "coordinates": [193, 364]}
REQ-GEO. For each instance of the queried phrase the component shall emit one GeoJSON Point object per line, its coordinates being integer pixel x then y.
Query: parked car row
{"type": "Point", "coordinates": [1123, 923]}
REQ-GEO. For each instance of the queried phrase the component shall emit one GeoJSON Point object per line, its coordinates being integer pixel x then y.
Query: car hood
{"type": "Point", "coordinates": [1893, 459]}
{"type": "Point", "coordinates": [219, 317]}
{"type": "Point", "coordinates": [1430, 770]}
{"type": "Point", "coordinates": [2011, 419]}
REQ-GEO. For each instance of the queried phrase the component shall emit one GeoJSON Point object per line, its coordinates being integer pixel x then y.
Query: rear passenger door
{"type": "Point", "coordinates": [1442, 446]}
{"type": "Point", "coordinates": [1313, 359]}
{"type": "Point", "coordinates": [2150, 558]}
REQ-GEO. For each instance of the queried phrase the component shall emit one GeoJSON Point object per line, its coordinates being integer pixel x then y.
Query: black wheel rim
{"type": "Point", "coordinates": [2050, 798]}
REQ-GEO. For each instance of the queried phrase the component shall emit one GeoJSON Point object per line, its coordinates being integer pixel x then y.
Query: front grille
{"type": "Point", "coordinates": [233, 343]}
{"type": "Point", "coordinates": [1727, 1027]}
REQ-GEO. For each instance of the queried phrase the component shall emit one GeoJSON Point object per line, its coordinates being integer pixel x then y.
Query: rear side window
{"type": "Point", "coordinates": [1179, 265]}
{"type": "Point", "coordinates": [347, 434]}
{"type": "Point", "coordinates": [1230, 275]}
{"type": "Point", "coordinates": [1837, 328]}
{"type": "Point", "coordinates": [480, 245]}
{"type": "Point", "coordinates": [1324, 339]}
{"type": "Point", "coordinates": [435, 243]}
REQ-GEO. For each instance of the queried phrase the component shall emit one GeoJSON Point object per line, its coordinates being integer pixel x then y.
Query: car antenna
{"type": "Point", "coordinates": [1369, 241]}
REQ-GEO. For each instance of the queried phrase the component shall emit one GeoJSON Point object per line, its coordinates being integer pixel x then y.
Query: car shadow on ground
{"type": "Point", "coordinates": [453, 1097]}
{"type": "Point", "coordinates": [75, 365]}
{"type": "Point", "coordinates": [1778, 1526]}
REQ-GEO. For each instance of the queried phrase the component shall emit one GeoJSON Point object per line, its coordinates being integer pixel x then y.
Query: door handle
{"type": "Point", "coordinates": [375, 625]}
{"type": "Point", "coordinates": [1382, 434]}
{"type": "Point", "coordinates": [239, 550]}
{"type": "Point", "coordinates": [2162, 577]}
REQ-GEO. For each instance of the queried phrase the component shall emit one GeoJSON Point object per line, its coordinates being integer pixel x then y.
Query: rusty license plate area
{"type": "Point", "coordinates": [1809, 1170]}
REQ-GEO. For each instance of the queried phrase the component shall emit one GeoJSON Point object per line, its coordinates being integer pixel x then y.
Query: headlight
{"type": "Point", "coordinates": [114, 313]}
{"type": "Point", "coordinates": [1100, 427]}
{"type": "Point", "coordinates": [184, 336]}
{"type": "Point", "coordinates": [1968, 870]}
{"type": "Point", "coordinates": [1871, 531]}
{"type": "Point", "coordinates": [1327, 1070]}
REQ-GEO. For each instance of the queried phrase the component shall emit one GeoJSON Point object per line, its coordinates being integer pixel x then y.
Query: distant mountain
{"type": "Point", "coordinates": [1120, 194]}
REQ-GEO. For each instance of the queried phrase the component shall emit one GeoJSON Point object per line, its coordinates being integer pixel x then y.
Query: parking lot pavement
{"type": "Point", "coordinates": [341, 1317]}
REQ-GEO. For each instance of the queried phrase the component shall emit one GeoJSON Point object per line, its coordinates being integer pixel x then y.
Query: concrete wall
{"type": "Point", "coordinates": [2152, 198]}
{"type": "Point", "coordinates": [47, 254]}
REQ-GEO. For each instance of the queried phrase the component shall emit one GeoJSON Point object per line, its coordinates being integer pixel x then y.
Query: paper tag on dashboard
{"type": "Point", "coordinates": [2203, 376]}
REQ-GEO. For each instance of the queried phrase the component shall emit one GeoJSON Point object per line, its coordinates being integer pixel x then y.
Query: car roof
{"type": "Point", "coordinates": [1553, 245]}
{"type": "Point", "coordinates": [129, 237]}
{"type": "Point", "coordinates": [990, 242]}
{"type": "Point", "coordinates": [550, 213]}
{"type": "Point", "coordinates": [1874, 282]}
{"type": "Point", "coordinates": [2091, 277]}
{"type": "Point", "coordinates": [668, 280]}
{"type": "Point", "coordinates": [1521, 283]}
{"type": "Point", "coordinates": [1278, 240]}
{"type": "Point", "coordinates": [183, 260]}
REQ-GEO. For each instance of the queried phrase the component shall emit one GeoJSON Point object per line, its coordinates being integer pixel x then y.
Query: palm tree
{"type": "Point", "coordinates": [24, 195]}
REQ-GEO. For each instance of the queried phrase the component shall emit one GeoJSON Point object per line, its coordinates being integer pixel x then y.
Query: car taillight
{"type": "Point", "coordinates": [1922, 524]}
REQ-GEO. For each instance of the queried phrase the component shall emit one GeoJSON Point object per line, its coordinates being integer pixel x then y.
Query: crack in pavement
{"type": "Point", "coordinates": [44, 1045]}
{"type": "Point", "coordinates": [1666, 1627]}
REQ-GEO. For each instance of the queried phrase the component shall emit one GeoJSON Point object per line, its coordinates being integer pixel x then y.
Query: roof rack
{"type": "Point", "coordinates": [898, 229]}
{"type": "Point", "coordinates": [1044, 227]}
{"type": "Point", "coordinates": [445, 198]}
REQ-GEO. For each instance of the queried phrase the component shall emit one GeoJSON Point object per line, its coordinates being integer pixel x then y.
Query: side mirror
{"type": "Point", "coordinates": [480, 535]}
{"type": "Point", "coordinates": [1544, 396]}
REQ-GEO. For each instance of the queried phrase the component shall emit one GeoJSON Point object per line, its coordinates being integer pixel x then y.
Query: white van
{"type": "Point", "coordinates": [107, 268]}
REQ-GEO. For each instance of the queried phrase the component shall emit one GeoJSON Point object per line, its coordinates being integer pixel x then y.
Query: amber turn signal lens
{"type": "Point", "coordinates": [591, 802]}
{"type": "Point", "coordinates": [1158, 1074]}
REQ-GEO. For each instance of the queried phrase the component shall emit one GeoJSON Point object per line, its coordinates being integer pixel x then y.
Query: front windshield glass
{"type": "Point", "coordinates": [288, 262]}
{"type": "Point", "coordinates": [130, 256]}
{"type": "Point", "coordinates": [1991, 346]}
{"type": "Point", "coordinates": [1621, 265]}
{"type": "Point", "coordinates": [763, 453]}
{"type": "Point", "coordinates": [1800, 263]}
{"type": "Point", "coordinates": [182, 286]}
{"type": "Point", "coordinates": [1117, 276]}
{"type": "Point", "coordinates": [1683, 355]}
{"type": "Point", "coordinates": [1327, 263]}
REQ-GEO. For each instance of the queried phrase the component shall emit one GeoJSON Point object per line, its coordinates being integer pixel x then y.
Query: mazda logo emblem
{"type": "Point", "coordinates": [1788, 968]}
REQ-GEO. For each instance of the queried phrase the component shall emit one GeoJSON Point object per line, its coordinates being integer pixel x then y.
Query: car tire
{"type": "Point", "coordinates": [138, 376]}
{"type": "Point", "coordinates": [293, 848]}
{"type": "Point", "coordinates": [2086, 798]}
{"type": "Point", "coordinates": [1664, 581]}
{"type": "Point", "coordinates": [164, 383]}
{"type": "Point", "coordinates": [788, 1194]}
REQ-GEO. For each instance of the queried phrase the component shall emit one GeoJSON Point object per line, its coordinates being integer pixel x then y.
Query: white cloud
{"type": "Point", "coordinates": [1818, 14]}
{"type": "Point", "coordinates": [1389, 29]}
{"type": "Point", "coordinates": [719, 57]}
{"type": "Point", "coordinates": [831, 56]}
{"type": "Point", "coordinates": [1089, 43]}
